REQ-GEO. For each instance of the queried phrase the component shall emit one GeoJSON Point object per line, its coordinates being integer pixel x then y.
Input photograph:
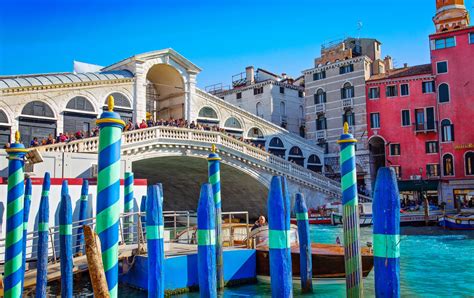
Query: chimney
{"type": "Point", "coordinates": [388, 63]}
{"type": "Point", "coordinates": [249, 75]}
{"type": "Point", "coordinates": [283, 75]}
{"type": "Point", "coordinates": [405, 65]}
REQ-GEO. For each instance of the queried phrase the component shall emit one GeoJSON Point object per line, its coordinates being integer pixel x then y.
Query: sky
{"type": "Point", "coordinates": [221, 37]}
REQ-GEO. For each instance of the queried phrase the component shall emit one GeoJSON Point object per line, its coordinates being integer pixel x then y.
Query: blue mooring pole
{"type": "Point", "coordinates": [65, 245]}
{"type": "Point", "coordinates": [43, 237]}
{"type": "Point", "coordinates": [143, 214]}
{"type": "Point", "coordinates": [82, 216]}
{"type": "Point", "coordinates": [206, 237]}
{"type": "Point", "coordinates": [26, 214]}
{"type": "Point", "coordinates": [279, 240]}
{"type": "Point", "coordinates": [306, 262]}
{"type": "Point", "coordinates": [155, 241]}
{"type": "Point", "coordinates": [386, 213]}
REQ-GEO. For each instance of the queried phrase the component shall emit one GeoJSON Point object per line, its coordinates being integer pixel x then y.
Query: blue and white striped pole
{"type": "Point", "coordinates": [143, 214]}
{"type": "Point", "coordinates": [386, 213]}
{"type": "Point", "coordinates": [155, 244]}
{"type": "Point", "coordinates": [128, 207]}
{"type": "Point", "coordinates": [82, 216]}
{"type": "Point", "coordinates": [279, 240]}
{"type": "Point", "coordinates": [306, 262]}
{"type": "Point", "coordinates": [13, 275]}
{"type": "Point", "coordinates": [26, 214]}
{"type": "Point", "coordinates": [206, 237]}
{"type": "Point", "coordinates": [43, 237]}
{"type": "Point", "coordinates": [65, 245]}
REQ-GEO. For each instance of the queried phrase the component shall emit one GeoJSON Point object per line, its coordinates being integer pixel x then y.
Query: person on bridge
{"type": "Point", "coordinates": [259, 223]}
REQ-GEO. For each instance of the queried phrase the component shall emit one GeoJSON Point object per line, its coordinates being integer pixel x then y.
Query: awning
{"type": "Point", "coordinates": [418, 185]}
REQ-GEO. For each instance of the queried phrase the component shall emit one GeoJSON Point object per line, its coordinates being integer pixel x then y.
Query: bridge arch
{"type": "Point", "coordinates": [277, 147]}
{"type": "Point", "coordinates": [123, 105]}
{"type": "Point", "coordinates": [256, 136]}
{"type": "Point", "coordinates": [296, 155]}
{"type": "Point", "coordinates": [314, 163]}
{"type": "Point", "coordinates": [79, 115]}
{"type": "Point", "coordinates": [208, 115]}
{"type": "Point", "coordinates": [37, 119]}
{"type": "Point", "coordinates": [233, 126]}
{"type": "Point", "coordinates": [5, 127]}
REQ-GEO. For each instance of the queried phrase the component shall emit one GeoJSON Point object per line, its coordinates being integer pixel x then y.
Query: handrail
{"type": "Point", "coordinates": [224, 142]}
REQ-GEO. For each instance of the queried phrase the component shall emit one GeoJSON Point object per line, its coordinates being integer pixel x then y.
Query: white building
{"type": "Point", "coordinates": [278, 99]}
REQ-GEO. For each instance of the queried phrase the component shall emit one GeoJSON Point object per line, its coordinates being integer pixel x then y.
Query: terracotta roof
{"type": "Point", "coordinates": [404, 72]}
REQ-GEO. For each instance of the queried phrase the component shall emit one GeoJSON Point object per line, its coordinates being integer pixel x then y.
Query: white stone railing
{"type": "Point", "coordinates": [224, 143]}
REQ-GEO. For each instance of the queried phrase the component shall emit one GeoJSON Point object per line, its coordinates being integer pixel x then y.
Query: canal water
{"type": "Point", "coordinates": [433, 263]}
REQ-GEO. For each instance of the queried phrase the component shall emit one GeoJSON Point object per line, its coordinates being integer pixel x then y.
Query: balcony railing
{"type": "Point", "coordinates": [347, 103]}
{"type": "Point", "coordinates": [320, 108]}
{"type": "Point", "coordinates": [425, 127]}
{"type": "Point", "coordinates": [321, 135]}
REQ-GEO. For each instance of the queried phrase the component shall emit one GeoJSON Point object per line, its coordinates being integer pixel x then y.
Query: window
{"type": "Point", "coordinates": [282, 90]}
{"type": "Point", "coordinates": [258, 108]}
{"type": "Point", "coordinates": [347, 91]}
{"type": "Point", "coordinates": [404, 90]}
{"type": "Point", "coordinates": [428, 87]}
{"type": "Point", "coordinates": [406, 118]}
{"type": "Point", "coordinates": [394, 149]}
{"type": "Point", "coordinates": [258, 90]}
{"type": "Point", "coordinates": [208, 113]}
{"type": "Point", "coordinates": [282, 108]}
{"type": "Point", "coordinates": [432, 170]}
{"type": "Point", "coordinates": [398, 171]}
{"type": "Point", "coordinates": [319, 75]}
{"type": "Point", "coordinates": [346, 69]}
{"type": "Point", "coordinates": [319, 97]}
{"type": "Point", "coordinates": [321, 123]}
{"type": "Point", "coordinates": [447, 131]}
{"type": "Point", "coordinates": [471, 38]}
{"type": "Point", "coordinates": [448, 165]}
{"type": "Point", "coordinates": [238, 95]}
{"type": "Point", "coordinates": [348, 117]}
{"type": "Point", "coordinates": [374, 92]}
{"type": "Point", "coordinates": [424, 119]}
{"type": "Point", "coordinates": [469, 163]}
{"type": "Point", "coordinates": [442, 67]}
{"type": "Point", "coordinates": [374, 120]}
{"type": "Point", "coordinates": [443, 93]}
{"type": "Point", "coordinates": [391, 91]}
{"type": "Point", "coordinates": [445, 43]}
{"type": "Point", "coordinates": [431, 147]}
{"type": "Point", "coordinates": [300, 93]}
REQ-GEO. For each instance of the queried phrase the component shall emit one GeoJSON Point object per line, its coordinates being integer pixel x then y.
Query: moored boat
{"type": "Point", "coordinates": [462, 221]}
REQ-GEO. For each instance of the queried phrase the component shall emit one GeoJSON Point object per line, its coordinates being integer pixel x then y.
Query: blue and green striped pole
{"type": "Point", "coordinates": [64, 188]}
{"type": "Point", "coordinates": [215, 181]}
{"type": "Point", "coordinates": [26, 213]}
{"type": "Point", "coordinates": [279, 240]}
{"type": "Point", "coordinates": [65, 245]}
{"type": "Point", "coordinates": [306, 262]}
{"type": "Point", "coordinates": [143, 214]}
{"type": "Point", "coordinates": [43, 237]}
{"type": "Point", "coordinates": [155, 244]}
{"type": "Point", "coordinates": [206, 237]}
{"type": "Point", "coordinates": [82, 216]}
{"type": "Point", "coordinates": [128, 207]}
{"type": "Point", "coordinates": [13, 273]}
{"type": "Point", "coordinates": [386, 213]}
{"type": "Point", "coordinates": [108, 192]}
{"type": "Point", "coordinates": [350, 217]}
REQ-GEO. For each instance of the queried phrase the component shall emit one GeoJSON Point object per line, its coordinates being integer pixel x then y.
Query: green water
{"type": "Point", "coordinates": [433, 263]}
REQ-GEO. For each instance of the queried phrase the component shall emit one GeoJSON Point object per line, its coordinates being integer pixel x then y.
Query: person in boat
{"type": "Point", "coordinates": [259, 223]}
{"type": "Point", "coordinates": [338, 240]}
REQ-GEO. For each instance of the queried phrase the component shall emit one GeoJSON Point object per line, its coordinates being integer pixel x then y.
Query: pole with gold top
{"type": "Point", "coordinates": [14, 239]}
{"type": "Point", "coordinates": [108, 192]}
{"type": "Point", "coordinates": [215, 181]}
{"type": "Point", "coordinates": [350, 218]}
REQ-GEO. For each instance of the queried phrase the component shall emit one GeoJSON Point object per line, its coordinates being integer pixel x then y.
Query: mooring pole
{"type": "Point", "coordinates": [94, 262]}
{"type": "Point", "coordinates": [352, 259]}
{"type": "Point", "coordinates": [143, 215]}
{"type": "Point", "coordinates": [26, 213]}
{"type": "Point", "coordinates": [306, 262]}
{"type": "Point", "coordinates": [128, 207]}
{"type": "Point", "coordinates": [215, 181]}
{"type": "Point", "coordinates": [13, 276]}
{"type": "Point", "coordinates": [386, 213]}
{"type": "Point", "coordinates": [108, 192]}
{"type": "Point", "coordinates": [65, 244]}
{"type": "Point", "coordinates": [82, 216]}
{"type": "Point", "coordinates": [279, 241]}
{"type": "Point", "coordinates": [155, 244]}
{"type": "Point", "coordinates": [206, 237]}
{"type": "Point", "coordinates": [43, 237]}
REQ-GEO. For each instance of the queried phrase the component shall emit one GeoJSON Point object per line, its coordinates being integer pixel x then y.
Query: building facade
{"type": "Point", "coordinates": [335, 93]}
{"type": "Point", "coordinates": [420, 116]}
{"type": "Point", "coordinates": [275, 98]}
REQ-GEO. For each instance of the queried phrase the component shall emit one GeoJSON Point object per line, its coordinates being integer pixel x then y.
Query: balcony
{"type": "Point", "coordinates": [347, 103]}
{"type": "Point", "coordinates": [321, 135]}
{"type": "Point", "coordinates": [320, 108]}
{"type": "Point", "coordinates": [425, 127]}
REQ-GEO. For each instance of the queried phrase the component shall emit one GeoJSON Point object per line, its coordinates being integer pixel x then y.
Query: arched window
{"type": "Point", "coordinates": [347, 91]}
{"type": "Point", "coordinates": [80, 103]}
{"type": "Point", "coordinates": [348, 117]}
{"type": "Point", "coordinates": [276, 147]}
{"type": "Point", "coordinates": [443, 93]}
{"type": "Point", "coordinates": [120, 100]}
{"type": "Point", "coordinates": [233, 123]}
{"type": "Point", "coordinates": [255, 133]}
{"type": "Point", "coordinates": [3, 118]}
{"type": "Point", "coordinates": [207, 112]}
{"type": "Point", "coordinates": [448, 165]}
{"type": "Point", "coordinates": [319, 97]}
{"type": "Point", "coordinates": [296, 155]}
{"type": "Point", "coordinates": [469, 163]}
{"type": "Point", "coordinates": [321, 123]}
{"type": "Point", "coordinates": [282, 108]}
{"type": "Point", "coordinates": [38, 109]}
{"type": "Point", "coordinates": [447, 131]}
{"type": "Point", "coordinates": [314, 163]}
{"type": "Point", "coordinates": [4, 128]}
{"type": "Point", "coordinates": [258, 108]}
{"type": "Point", "coordinates": [276, 142]}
